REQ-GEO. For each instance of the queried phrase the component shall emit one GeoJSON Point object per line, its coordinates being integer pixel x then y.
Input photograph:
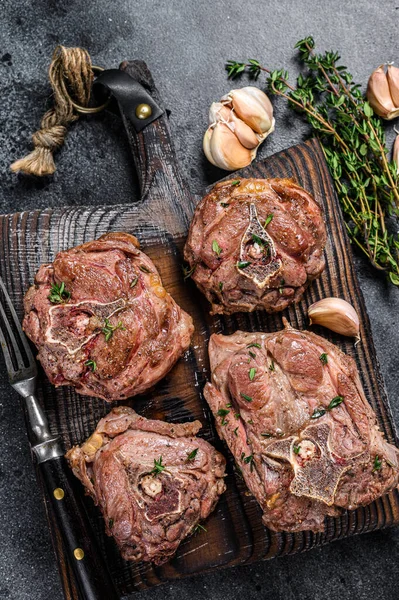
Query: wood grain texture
{"type": "Point", "coordinates": [235, 534]}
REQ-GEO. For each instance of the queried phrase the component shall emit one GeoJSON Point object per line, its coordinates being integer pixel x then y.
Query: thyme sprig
{"type": "Point", "coordinates": [108, 329]}
{"type": "Point", "coordinates": [58, 293]}
{"type": "Point", "coordinates": [353, 142]}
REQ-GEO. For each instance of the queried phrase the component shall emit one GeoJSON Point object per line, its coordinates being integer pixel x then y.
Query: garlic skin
{"type": "Point", "coordinates": [238, 124]}
{"type": "Point", "coordinates": [223, 149]}
{"type": "Point", "coordinates": [393, 82]}
{"type": "Point", "coordinates": [221, 113]}
{"type": "Point", "coordinates": [253, 107]}
{"type": "Point", "coordinates": [335, 314]}
{"type": "Point", "coordinates": [383, 92]}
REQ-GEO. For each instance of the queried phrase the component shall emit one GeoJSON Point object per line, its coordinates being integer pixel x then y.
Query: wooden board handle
{"type": "Point", "coordinates": [91, 573]}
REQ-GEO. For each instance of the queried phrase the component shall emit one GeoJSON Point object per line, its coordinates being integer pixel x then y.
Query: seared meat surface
{"type": "Point", "coordinates": [112, 330]}
{"type": "Point", "coordinates": [153, 481]}
{"type": "Point", "coordinates": [292, 410]}
{"type": "Point", "coordinates": [255, 244]}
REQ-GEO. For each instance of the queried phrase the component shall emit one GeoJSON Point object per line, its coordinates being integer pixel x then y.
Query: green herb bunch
{"type": "Point", "coordinates": [353, 142]}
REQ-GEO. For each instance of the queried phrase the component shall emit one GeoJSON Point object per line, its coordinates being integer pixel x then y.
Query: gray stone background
{"type": "Point", "coordinates": [185, 44]}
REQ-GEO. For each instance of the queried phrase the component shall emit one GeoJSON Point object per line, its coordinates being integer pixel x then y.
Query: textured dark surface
{"type": "Point", "coordinates": [185, 45]}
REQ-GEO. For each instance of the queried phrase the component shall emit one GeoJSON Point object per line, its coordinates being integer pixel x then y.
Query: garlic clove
{"type": "Point", "coordinates": [335, 314]}
{"type": "Point", "coordinates": [393, 82]}
{"type": "Point", "coordinates": [226, 150]}
{"type": "Point", "coordinates": [206, 144]}
{"type": "Point", "coordinates": [378, 94]}
{"type": "Point", "coordinates": [220, 112]}
{"type": "Point", "coordinates": [253, 107]}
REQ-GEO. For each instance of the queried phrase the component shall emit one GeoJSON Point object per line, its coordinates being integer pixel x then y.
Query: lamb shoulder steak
{"type": "Point", "coordinates": [255, 244]}
{"type": "Point", "coordinates": [292, 410]}
{"type": "Point", "coordinates": [153, 481]}
{"type": "Point", "coordinates": [102, 321]}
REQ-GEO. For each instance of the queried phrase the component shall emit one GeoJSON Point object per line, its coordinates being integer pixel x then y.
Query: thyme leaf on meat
{"type": "Point", "coordinates": [269, 218]}
{"type": "Point", "coordinates": [224, 204]}
{"type": "Point", "coordinates": [272, 367]}
{"type": "Point", "coordinates": [324, 358]}
{"type": "Point", "coordinates": [58, 293]}
{"type": "Point", "coordinates": [221, 285]}
{"type": "Point", "coordinates": [266, 435]}
{"type": "Point", "coordinates": [91, 364]}
{"type": "Point", "coordinates": [243, 263]}
{"type": "Point", "coordinates": [252, 373]}
{"type": "Point", "coordinates": [296, 449]}
{"type": "Point", "coordinates": [187, 272]}
{"type": "Point", "coordinates": [133, 282]}
{"type": "Point", "coordinates": [144, 269]}
{"type": "Point", "coordinates": [110, 523]}
{"type": "Point", "coordinates": [236, 182]}
{"type": "Point", "coordinates": [335, 402]}
{"type": "Point", "coordinates": [199, 527]}
{"type": "Point", "coordinates": [235, 431]}
{"type": "Point", "coordinates": [237, 415]}
{"type": "Point", "coordinates": [158, 467]}
{"type": "Point", "coordinates": [247, 398]}
{"type": "Point", "coordinates": [254, 346]}
{"type": "Point", "coordinates": [257, 240]}
{"type": "Point", "coordinates": [377, 463]}
{"type": "Point", "coordinates": [252, 354]}
{"type": "Point", "coordinates": [222, 412]}
{"type": "Point", "coordinates": [216, 248]}
{"type": "Point", "coordinates": [249, 460]}
{"type": "Point", "coordinates": [108, 329]}
{"type": "Point", "coordinates": [191, 455]}
{"type": "Point", "coordinates": [317, 413]}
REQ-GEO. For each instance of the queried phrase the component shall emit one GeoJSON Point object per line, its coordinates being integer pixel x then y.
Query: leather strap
{"type": "Point", "coordinates": [130, 94]}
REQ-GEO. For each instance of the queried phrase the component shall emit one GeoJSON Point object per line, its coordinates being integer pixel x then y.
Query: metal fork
{"type": "Point", "coordinates": [92, 577]}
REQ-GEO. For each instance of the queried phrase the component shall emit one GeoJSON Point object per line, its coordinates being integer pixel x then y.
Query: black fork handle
{"type": "Point", "coordinates": [93, 579]}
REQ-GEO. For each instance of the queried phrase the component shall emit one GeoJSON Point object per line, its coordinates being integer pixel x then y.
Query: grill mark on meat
{"type": "Point", "coordinates": [313, 467]}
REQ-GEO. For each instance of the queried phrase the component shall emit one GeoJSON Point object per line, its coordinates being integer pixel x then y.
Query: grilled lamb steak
{"type": "Point", "coordinates": [154, 481]}
{"type": "Point", "coordinates": [102, 320]}
{"type": "Point", "coordinates": [255, 244]}
{"type": "Point", "coordinates": [292, 410]}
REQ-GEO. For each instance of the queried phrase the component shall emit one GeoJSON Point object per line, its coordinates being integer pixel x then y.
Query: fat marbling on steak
{"type": "Point", "coordinates": [112, 331]}
{"type": "Point", "coordinates": [255, 244]}
{"type": "Point", "coordinates": [153, 481]}
{"type": "Point", "coordinates": [292, 410]}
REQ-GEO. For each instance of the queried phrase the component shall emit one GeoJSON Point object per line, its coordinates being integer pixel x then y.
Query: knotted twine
{"type": "Point", "coordinates": [71, 78]}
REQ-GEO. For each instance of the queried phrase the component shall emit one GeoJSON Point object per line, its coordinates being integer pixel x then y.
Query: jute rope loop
{"type": "Point", "coordinates": [71, 77]}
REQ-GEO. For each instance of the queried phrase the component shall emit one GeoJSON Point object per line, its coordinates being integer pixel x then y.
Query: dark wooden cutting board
{"type": "Point", "coordinates": [235, 534]}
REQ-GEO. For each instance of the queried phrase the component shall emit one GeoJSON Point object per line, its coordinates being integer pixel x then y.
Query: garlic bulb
{"type": "Point", "coordinates": [383, 92]}
{"type": "Point", "coordinates": [238, 124]}
{"type": "Point", "coordinates": [335, 314]}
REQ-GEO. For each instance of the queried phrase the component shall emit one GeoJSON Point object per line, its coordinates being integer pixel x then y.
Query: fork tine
{"type": "Point", "coordinates": [4, 346]}
{"type": "Point", "coordinates": [21, 337]}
